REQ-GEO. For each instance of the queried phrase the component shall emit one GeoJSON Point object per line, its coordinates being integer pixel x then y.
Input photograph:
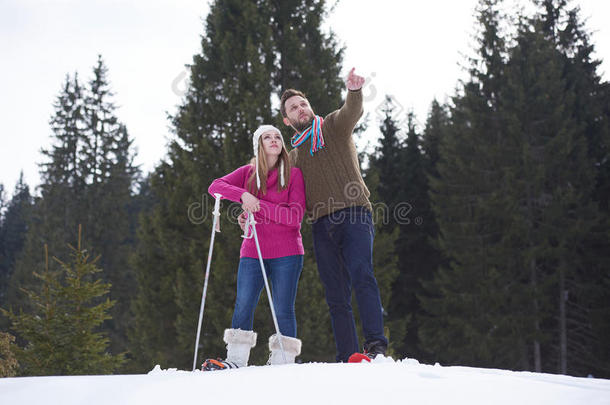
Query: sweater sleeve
{"type": "Point", "coordinates": [347, 116]}
{"type": "Point", "coordinates": [291, 213]}
{"type": "Point", "coordinates": [231, 186]}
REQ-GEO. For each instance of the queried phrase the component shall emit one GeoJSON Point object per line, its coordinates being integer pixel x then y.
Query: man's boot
{"type": "Point", "coordinates": [374, 348]}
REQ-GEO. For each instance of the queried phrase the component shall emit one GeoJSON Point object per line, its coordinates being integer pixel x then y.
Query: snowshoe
{"type": "Point", "coordinates": [358, 358]}
{"type": "Point", "coordinates": [217, 364]}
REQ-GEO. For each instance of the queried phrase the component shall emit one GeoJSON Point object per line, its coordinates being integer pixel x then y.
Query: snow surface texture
{"type": "Point", "coordinates": [384, 381]}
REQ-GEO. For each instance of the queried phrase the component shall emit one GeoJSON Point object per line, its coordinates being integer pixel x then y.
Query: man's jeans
{"type": "Point", "coordinates": [283, 275]}
{"type": "Point", "coordinates": [343, 245]}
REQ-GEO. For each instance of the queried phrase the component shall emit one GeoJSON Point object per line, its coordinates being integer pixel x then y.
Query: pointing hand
{"type": "Point", "coordinates": [354, 82]}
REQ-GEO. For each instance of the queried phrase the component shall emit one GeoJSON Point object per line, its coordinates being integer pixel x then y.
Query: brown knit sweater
{"type": "Point", "coordinates": [332, 175]}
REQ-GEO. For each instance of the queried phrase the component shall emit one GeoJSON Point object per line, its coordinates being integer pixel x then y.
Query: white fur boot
{"type": "Point", "coordinates": [239, 342]}
{"type": "Point", "coordinates": [292, 348]}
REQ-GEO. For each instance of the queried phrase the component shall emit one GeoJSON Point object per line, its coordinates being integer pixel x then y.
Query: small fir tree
{"type": "Point", "coordinates": [60, 334]}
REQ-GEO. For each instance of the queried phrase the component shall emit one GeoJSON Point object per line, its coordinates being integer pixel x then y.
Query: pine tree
{"type": "Point", "coordinates": [583, 299]}
{"type": "Point", "coordinates": [387, 160]}
{"type": "Point", "coordinates": [436, 126]}
{"type": "Point", "coordinates": [86, 179]}
{"type": "Point", "coordinates": [514, 205]}
{"type": "Point", "coordinates": [54, 215]}
{"type": "Point", "coordinates": [433, 257]}
{"type": "Point", "coordinates": [60, 334]}
{"type": "Point", "coordinates": [67, 123]}
{"type": "Point", "coordinates": [467, 302]}
{"type": "Point", "coordinates": [557, 208]}
{"type": "Point", "coordinates": [107, 158]}
{"type": "Point", "coordinates": [417, 257]}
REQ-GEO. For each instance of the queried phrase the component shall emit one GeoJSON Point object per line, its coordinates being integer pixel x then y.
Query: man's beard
{"type": "Point", "coordinates": [301, 126]}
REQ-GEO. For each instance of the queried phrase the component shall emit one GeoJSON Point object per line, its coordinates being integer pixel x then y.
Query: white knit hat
{"type": "Point", "coordinates": [257, 134]}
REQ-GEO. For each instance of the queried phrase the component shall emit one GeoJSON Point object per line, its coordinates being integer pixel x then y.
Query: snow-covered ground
{"type": "Point", "coordinates": [382, 382]}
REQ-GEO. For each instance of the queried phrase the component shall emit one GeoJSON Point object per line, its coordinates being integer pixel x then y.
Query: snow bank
{"type": "Point", "coordinates": [383, 381]}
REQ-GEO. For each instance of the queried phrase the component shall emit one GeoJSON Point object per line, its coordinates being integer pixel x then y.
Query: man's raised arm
{"type": "Point", "coordinates": [349, 114]}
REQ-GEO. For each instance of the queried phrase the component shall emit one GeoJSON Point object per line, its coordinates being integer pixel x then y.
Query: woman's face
{"type": "Point", "coordinates": [272, 143]}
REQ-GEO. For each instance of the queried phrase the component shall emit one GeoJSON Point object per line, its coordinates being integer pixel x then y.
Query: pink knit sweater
{"type": "Point", "coordinates": [278, 222]}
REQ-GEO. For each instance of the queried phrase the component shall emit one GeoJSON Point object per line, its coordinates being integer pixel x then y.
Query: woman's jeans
{"type": "Point", "coordinates": [343, 244]}
{"type": "Point", "coordinates": [283, 275]}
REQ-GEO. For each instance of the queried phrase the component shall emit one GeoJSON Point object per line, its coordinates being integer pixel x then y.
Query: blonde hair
{"type": "Point", "coordinates": [263, 170]}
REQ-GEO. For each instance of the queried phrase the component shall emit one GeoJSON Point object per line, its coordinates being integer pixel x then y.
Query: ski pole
{"type": "Point", "coordinates": [251, 222]}
{"type": "Point", "coordinates": [215, 228]}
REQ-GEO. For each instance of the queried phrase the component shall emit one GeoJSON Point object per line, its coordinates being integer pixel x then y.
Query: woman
{"type": "Point", "coordinates": [274, 192]}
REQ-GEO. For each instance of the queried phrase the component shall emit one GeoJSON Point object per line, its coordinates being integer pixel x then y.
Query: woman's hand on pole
{"type": "Point", "coordinates": [250, 204]}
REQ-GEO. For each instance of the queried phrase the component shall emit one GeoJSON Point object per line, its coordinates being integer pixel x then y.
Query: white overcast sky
{"type": "Point", "coordinates": [405, 48]}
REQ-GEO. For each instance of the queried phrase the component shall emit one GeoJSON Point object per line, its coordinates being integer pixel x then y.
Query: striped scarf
{"type": "Point", "coordinates": [314, 132]}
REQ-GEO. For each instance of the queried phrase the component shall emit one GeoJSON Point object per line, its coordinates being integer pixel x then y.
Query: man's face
{"type": "Point", "coordinates": [299, 114]}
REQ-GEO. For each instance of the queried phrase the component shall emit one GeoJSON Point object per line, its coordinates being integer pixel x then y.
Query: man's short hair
{"type": "Point", "coordinates": [285, 96]}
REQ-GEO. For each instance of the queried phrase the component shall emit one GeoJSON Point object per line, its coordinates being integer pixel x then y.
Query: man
{"type": "Point", "coordinates": [338, 204]}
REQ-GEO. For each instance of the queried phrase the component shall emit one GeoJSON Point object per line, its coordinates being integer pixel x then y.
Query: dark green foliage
{"type": "Point", "coordinates": [61, 189]}
{"type": "Point", "coordinates": [418, 257]}
{"type": "Point", "coordinates": [587, 311]}
{"type": "Point", "coordinates": [468, 316]}
{"type": "Point", "coordinates": [107, 160]}
{"type": "Point", "coordinates": [87, 179]}
{"type": "Point", "coordinates": [514, 202]}
{"type": "Point", "coordinates": [62, 331]}
{"type": "Point", "coordinates": [13, 227]}
{"type": "Point", "coordinates": [387, 161]}
{"type": "Point", "coordinates": [436, 126]}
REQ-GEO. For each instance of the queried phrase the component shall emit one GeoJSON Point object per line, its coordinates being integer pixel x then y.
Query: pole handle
{"type": "Point", "coordinates": [216, 211]}
{"type": "Point", "coordinates": [249, 223]}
